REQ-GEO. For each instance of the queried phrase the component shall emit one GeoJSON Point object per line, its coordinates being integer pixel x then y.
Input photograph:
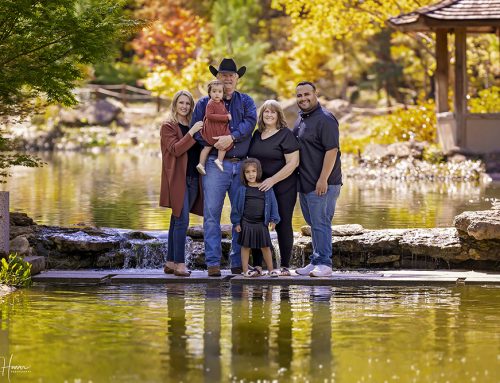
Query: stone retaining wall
{"type": "Point", "coordinates": [474, 243]}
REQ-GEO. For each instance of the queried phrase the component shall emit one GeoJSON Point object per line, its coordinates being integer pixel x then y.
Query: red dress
{"type": "Point", "coordinates": [215, 123]}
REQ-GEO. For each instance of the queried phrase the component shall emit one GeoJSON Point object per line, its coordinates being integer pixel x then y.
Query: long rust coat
{"type": "Point", "coordinates": [174, 155]}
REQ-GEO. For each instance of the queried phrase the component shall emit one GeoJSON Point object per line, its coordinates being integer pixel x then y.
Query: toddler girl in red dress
{"type": "Point", "coordinates": [215, 124]}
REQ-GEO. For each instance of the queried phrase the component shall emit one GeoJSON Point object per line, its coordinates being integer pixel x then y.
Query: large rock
{"type": "Point", "coordinates": [26, 231]}
{"type": "Point", "coordinates": [111, 260]}
{"type": "Point", "coordinates": [373, 241]}
{"type": "Point", "coordinates": [395, 150]}
{"type": "Point", "coordinates": [81, 242]}
{"type": "Point", "coordinates": [479, 224]}
{"type": "Point", "coordinates": [138, 235]}
{"type": "Point", "coordinates": [20, 245]}
{"type": "Point", "coordinates": [4, 290]}
{"type": "Point", "coordinates": [101, 112]}
{"type": "Point", "coordinates": [441, 243]}
{"type": "Point", "coordinates": [337, 230]}
{"type": "Point", "coordinates": [382, 259]}
{"type": "Point", "coordinates": [196, 232]}
{"type": "Point", "coordinates": [20, 219]}
{"type": "Point", "coordinates": [423, 248]}
{"type": "Point", "coordinates": [347, 230]}
{"type": "Point", "coordinates": [37, 264]}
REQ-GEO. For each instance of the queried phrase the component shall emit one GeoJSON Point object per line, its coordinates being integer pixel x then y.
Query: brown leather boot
{"type": "Point", "coordinates": [214, 271]}
{"type": "Point", "coordinates": [168, 270]}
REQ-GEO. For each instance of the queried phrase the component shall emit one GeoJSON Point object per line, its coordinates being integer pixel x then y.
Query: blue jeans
{"type": "Point", "coordinates": [178, 225]}
{"type": "Point", "coordinates": [215, 186]}
{"type": "Point", "coordinates": [318, 212]}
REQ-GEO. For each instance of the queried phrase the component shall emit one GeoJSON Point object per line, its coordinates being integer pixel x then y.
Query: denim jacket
{"type": "Point", "coordinates": [243, 120]}
{"type": "Point", "coordinates": [270, 207]}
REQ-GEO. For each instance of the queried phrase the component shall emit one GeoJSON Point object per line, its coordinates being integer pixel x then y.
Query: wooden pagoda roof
{"type": "Point", "coordinates": [477, 16]}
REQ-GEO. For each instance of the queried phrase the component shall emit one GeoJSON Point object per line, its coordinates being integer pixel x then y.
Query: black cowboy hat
{"type": "Point", "coordinates": [227, 65]}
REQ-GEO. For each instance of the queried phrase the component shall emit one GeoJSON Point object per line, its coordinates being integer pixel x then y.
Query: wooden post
{"type": "Point", "coordinates": [4, 224]}
{"type": "Point", "coordinates": [124, 94]}
{"type": "Point", "coordinates": [441, 78]}
{"type": "Point", "coordinates": [158, 104]}
{"type": "Point", "coordinates": [460, 85]}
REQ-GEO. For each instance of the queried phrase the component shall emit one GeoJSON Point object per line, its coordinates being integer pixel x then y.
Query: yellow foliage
{"type": "Point", "coordinates": [487, 102]}
{"type": "Point", "coordinates": [316, 27]}
{"type": "Point", "coordinates": [417, 122]}
{"type": "Point", "coordinates": [192, 77]}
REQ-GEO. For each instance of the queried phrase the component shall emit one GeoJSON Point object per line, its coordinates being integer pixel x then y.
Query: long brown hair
{"type": "Point", "coordinates": [245, 164]}
{"type": "Point", "coordinates": [275, 107]}
{"type": "Point", "coordinates": [172, 116]}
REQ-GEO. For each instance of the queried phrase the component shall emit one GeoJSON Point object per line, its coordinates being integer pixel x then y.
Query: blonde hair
{"type": "Point", "coordinates": [275, 107]}
{"type": "Point", "coordinates": [172, 116]}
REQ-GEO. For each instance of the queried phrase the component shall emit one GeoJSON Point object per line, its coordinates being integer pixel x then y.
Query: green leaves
{"type": "Point", "coordinates": [15, 272]}
{"type": "Point", "coordinates": [45, 46]}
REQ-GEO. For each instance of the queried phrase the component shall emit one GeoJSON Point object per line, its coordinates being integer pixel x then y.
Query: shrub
{"type": "Point", "coordinates": [433, 154]}
{"type": "Point", "coordinates": [416, 122]}
{"type": "Point", "coordinates": [487, 102]}
{"type": "Point", "coordinates": [15, 271]}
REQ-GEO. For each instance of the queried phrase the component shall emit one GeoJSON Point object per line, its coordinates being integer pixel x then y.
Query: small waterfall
{"type": "Point", "coordinates": [298, 257]}
{"type": "Point", "coordinates": [144, 254]}
{"type": "Point", "coordinates": [276, 248]}
{"type": "Point", "coordinates": [108, 248]}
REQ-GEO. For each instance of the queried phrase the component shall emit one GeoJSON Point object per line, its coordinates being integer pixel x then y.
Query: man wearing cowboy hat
{"type": "Point", "coordinates": [216, 183]}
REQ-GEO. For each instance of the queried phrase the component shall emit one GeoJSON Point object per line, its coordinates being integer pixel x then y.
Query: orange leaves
{"type": "Point", "coordinates": [172, 38]}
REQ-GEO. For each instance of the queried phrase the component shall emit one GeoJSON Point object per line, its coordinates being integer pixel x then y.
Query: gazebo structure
{"type": "Point", "coordinates": [460, 130]}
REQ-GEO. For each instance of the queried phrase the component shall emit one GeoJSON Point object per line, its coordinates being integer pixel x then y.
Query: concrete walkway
{"type": "Point", "coordinates": [339, 278]}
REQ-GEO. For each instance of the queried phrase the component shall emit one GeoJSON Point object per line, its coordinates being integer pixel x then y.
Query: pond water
{"type": "Point", "coordinates": [243, 333]}
{"type": "Point", "coordinates": [121, 189]}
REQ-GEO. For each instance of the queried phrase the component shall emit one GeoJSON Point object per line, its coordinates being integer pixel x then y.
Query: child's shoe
{"type": "Point", "coordinates": [219, 164]}
{"type": "Point", "coordinates": [201, 169]}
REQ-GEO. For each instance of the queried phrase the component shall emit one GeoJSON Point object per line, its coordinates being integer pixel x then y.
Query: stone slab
{"type": "Point", "coordinates": [339, 278]}
{"type": "Point", "coordinates": [196, 277]}
{"type": "Point", "coordinates": [37, 264]}
{"type": "Point", "coordinates": [72, 277]}
{"type": "Point", "coordinates": [385, 278]}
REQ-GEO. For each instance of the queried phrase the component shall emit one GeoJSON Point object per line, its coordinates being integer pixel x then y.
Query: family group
{"type": "Point", "coordinates": [221, 146]}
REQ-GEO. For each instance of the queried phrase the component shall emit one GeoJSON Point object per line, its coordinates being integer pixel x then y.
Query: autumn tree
{"type": "Point", "coordinates": [175, 46]}
{"type": "Point", "coordinates": [173, 36]}
{"type": "Point", "coordinates": [324, 29]}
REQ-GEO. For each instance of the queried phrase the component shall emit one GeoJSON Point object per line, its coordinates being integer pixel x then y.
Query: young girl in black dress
{"type": "Point", "coordinates": [253, 211]}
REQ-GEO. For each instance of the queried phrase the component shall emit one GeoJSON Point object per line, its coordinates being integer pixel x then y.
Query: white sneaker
{"type": "Point", "coordinates": [201, 169]}
{"type": "Point", "coordinates": [321, 271]}
{"type": "Point", "coordinates": [219, 164]}
{"type": "Point", "coordinates": [305, 270]}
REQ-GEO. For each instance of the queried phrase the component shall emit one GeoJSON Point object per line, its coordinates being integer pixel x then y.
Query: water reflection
{"type": "Point", "coordinates": [196, 333]}
{"type": "Point", "coordinates": [121, 190]}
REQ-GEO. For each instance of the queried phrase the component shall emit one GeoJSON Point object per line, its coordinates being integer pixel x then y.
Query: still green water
{"type": "Point", "coordinates": [196, 333]}
{"type": "Point", "coordinates": [122, 190]}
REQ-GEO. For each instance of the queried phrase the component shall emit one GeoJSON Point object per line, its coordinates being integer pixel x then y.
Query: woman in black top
{"type": "Point", "coordinates": [275, 146]}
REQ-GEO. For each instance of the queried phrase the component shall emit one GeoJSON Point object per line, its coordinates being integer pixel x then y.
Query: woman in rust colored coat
{"type": "Point", "coordinates": [180, 182]}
